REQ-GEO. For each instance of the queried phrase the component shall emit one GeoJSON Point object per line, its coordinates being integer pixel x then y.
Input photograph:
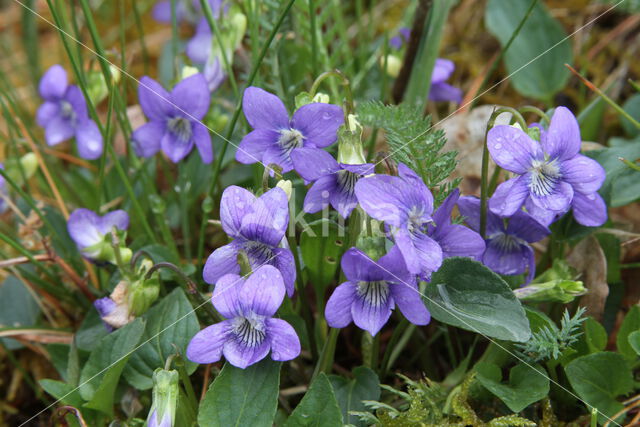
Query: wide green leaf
{"type": "Point", "coordinates": [599, 379]}
{"type": "Point", "coordinates": [634, 341]}
{"type": "Point", "coordinates": [242, 397]}
{"type": "Point", "coordinates": [622, 185]}
{"type": "Point", "coordinates": [365, 385]}
{"type": "Point", "coordinates": [318, 407]}
{"type": "Point", "coordinates": [17, 308]}
{"type": "Point", "coordinates": [106, 362]}
{"type": "Point", "coordinates": [321, 246]}
{"type": "Point", "coordinates": [66, 393]}
{"type": "Point", "coordinates": [630, 324]}
{"type": "Point", "coordinates": [466, 294]}
{"type": "Point", "coordinates": [170, 326]}
{"type": "Point", "coordinates": [593, 339]}
{"type": "Point", "coordinates": [535, 60]}
{"type": "Point", "coordinates": [526, 384]}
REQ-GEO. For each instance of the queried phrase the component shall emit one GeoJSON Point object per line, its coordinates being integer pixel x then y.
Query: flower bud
{"type": "Point", "coordinates": [142, 294]}
{"type": "Point", "coordinates": [304, 98]}
{"type": "Point", "coordinates": [559, 290]}
{"type": "Point", "coordinates": [393, 65]}
{"type": "Point", "coordinates": [29, 163]}
{"type": "Point", "coordinates": [350, 149]}
{"type": "Point", "coordinates": [188, 71]}
{"type": "Point", "coordinates": [165, 398]}
{"type": "Point", "coordinates": [286, 185]}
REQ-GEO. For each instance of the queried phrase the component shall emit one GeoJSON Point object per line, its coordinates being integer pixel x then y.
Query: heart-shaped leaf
{"type": "Point", "coordinates": [526, 384]}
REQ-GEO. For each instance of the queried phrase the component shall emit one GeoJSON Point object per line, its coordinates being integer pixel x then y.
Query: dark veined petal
{"type": "Point", "coordinates": [264, 110]}
{"type": "Point", "coordinates": [505, 260]}
{"type": "Point", "coordinates": [589, 209]}
{"type": "Point", "coordinates": [191, 97]}
{"type": "Point", "coordinates": [558, 200]}
{"type": "Point", "coordinates": [263, 291]}
{"type": "Point", "coordinates": [241, 356]}
{"type": "Point", "coordinates": [318, 123]}
{"type": "Point", "coordinates": [206, 346]}
{"type": "Point", "coordinates": [343, 201]}
{"type": "Point", "coordinates": [512, 149]}
{"type": "Point", "coordinates": [53, 83]}
{"type": "Point", "coordinates": [370, 317]}
{"type": "Point", "coordinates": [338, 309]}
{"type": "Point", "coordinates": [285, 344]}
{"type": "Point", "coordinates": [562, 139]}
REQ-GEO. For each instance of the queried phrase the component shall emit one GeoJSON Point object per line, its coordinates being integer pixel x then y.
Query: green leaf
{"type": "Point", "coordinates": [534, 62]}
{"type": "Point", "coordinates": [17, 308]}
{"type": "Point", "coordinates": [466, 294]}
{"type": "Point", "coordinates": [108, 354]}
{"type": "Point", "coordinates": [634, 341]}
{"type": "Point", "coordinates": [630, 324]}
{"type": "Point", "coordinates": [599, 379]}
{"type": "Point", "coordinates": [622, 185]}
{"type": "Point", "coordinates": [594, 338]}
{"type": "Point", "coordinates": [526, 384]}
{"type": "Point", "coordinates": [365, 385]}
{"type": "Point", "coordinates": [242, 397]}
{"type": "Point", "coordinates": [321, 246]}
{"type": "Point", "coordinates": [64, 392]}
{"type": "Point", "coordinates": [170, 326]}
{"type": "Point", "coordinates": [631, 106]}
{"type": "Point", "coordinates": [91, 331]}
{"type": "Point", "coordinates": [318, 407]}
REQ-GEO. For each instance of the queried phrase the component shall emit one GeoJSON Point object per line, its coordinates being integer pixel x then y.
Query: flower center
{"type": "Point", "coordinates": [416, 223]}
{"type": "Point", "coordinates": [67, 111]}
{"type": "Point", "coordinates": [250, 330]}
{"type": "Point", "coordinates": [505, 242]}
{"type": "Point", "coordinates": [181, 128]}
{"type": "Point", "coordinates": [374, 293]}
{"type": "Point", "coordinates": [258, 253]}
{"type": "Point", "coordinates": [347, 181]}
{"type": "Point", "coordinates": [544, 176]}
{"type": "Point", "coordinates": [290, 139]}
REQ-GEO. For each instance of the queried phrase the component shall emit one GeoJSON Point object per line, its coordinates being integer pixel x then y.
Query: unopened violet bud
{"type": "Point", "coordinates": [188, 71]}
{"type": "Point", "coordinates": [142, 294]}
{"type": "Point", "coordinates": [29, 163]}
{"type": "Point", "coordinates": [286, 186]}
{"type": "Point", "coordinates": [165, 398]}
{"type": "Point", "coordinates": [391, 65]}
{"type": "Point", "coordinates": [350, 147]}
{"type": "Point", "coordinates": [559, 290]}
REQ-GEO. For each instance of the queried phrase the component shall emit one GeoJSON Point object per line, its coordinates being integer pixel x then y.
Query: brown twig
{"type": "Point", "coordinates": [205, 381]}
{"type": "Point", "coordinates": [23, 260]}
{"type": "Point", "coordinates": [417, 29]}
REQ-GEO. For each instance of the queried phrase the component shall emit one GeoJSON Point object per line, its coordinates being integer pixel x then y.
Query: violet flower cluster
{"type": "Point", "coordinates": [275, 136]}
{"type": "Point", "coordinates": [88, 230]}
{"type": "Point", "coordinates": [250, 330]}
{"type": "Point", "coordinates": [175, 119]}
{"type": "Point", "coordinates": [258, 226]}
{"type": "Point", "coordinates": [551, 176]}
{"type": "Point", "coordinates": [64, 114]}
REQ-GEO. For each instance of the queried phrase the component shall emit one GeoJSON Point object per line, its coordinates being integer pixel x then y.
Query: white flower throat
{"type": "Point", "coordinates": [250, 330]}
{"type": "Point", "coordinates": [180, 127]}
{"type": "Point", "coordinates": [374, 293]}
{"type": "Point", "coordinates": [290, 139]}
{"type": "Point", "coordinates": [544, 176]}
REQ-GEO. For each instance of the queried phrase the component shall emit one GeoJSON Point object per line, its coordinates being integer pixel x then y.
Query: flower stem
{"type": "Point", "coordinates": [328, 352]}
{"type": "Point", "coordinates": [345, 82]}
{"type": "Point", "coordinates": [535, 110]}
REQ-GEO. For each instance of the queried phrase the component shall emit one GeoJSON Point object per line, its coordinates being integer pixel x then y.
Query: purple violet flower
{"type": "Point", "coordinates": [405, 204]}
{"type": "Point", "coordinates": [396, 42]}
{"type": "Point", "coordinates": [64, 114]}
{"type": "Point", "coordinates": [441, 91]}
{"type": "Point", "coordinates": [257, 225]}
{"type": "Point", "coordinates": [454, 239]}
{"type": "Point", "coordinates": [88, 229]}
{"type": "Point", "coordinates": [372, 290]}
{"type": "Point", "coordinates": [164, 422]}
{"type": "Point", "coordinates": [508, 247]}
{"type": "Point", "coordinates": [250, 331]}
{"type": "Point", "coordinates": [174, 119]}
{"type": "Point", "coordinates": [333, 183]}
{"type": "Point", "coordinates": [199, 50]}
{"type": "Point", "coordinates": [105, 306]}
{"type": "Point", "coordinates": [274, 136]}
{"type": "Point", "coordinates": [552, 177]}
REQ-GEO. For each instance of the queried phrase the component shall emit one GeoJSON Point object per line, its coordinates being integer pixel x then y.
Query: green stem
{"type": "Point", "coordinates": [328, 352]}
{"type": "Point", "coordinates": [186, 381]}
{"type": "Point", "coordinates": [184, 210]}
{"type": "Point", "coordinates": [174, 39]}
{"type": "Point", "coordinates": [345, 82]}
{"type": "Point", "coordinates": [140, 28]}
{"type": "Point", "coordinates": [535, 110]}
{"type": "Point", "coordinates": [314, 36]}
{"type": "Point", "coordinates": [208, 14]}
{"type": "Point", "coordinates": [218, 163]}
{"type": "Point", "coordinates": [391, 345]}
